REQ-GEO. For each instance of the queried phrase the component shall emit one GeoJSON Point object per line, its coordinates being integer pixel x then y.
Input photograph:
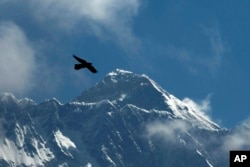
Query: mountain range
{"type": "Point", "coordinates": [125, 120]}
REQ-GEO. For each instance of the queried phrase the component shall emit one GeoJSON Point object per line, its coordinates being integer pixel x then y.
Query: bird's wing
{"type": "Point", "coordinates": [92, 68]}
{"type": "Point", "coordinates": [80, 60]}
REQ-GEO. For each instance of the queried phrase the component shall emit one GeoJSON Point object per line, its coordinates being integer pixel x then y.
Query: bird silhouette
{"type": "Point", "coordinates": [84, 64]}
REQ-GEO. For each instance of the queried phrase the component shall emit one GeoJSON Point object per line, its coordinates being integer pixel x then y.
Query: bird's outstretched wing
{"type": "Point", "coordinates": [91, 68]}
{"type": "Point", "coordinates": [80, 60]}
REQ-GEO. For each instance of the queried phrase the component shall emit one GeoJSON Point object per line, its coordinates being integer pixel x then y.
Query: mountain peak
{"type": "Point", "coordinates": [5, 96]}
{"type": "Point", "coordinates": [9, 98]}
{"type": "Point", "coordinates": [121, 76]}
{"type": "Point", "coordinates": [124, 87]}
{"type": "Point", "coordinates": [119, 71]}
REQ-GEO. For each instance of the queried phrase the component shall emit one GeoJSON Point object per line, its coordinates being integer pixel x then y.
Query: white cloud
{"type": "Point", "coordinates": [217, 47]}
{"type": "Point", "coordinates": [199, 112]}
{"type": "Point", "coordinates": [239, 139]}
{"type": "Point", "coordinates": [210, 59]}
{"type": "Point", "coordinates": [17, 61]}
{"type": "Point", "coordinates": [167, 130]}
{"type": "Point", "coordinates": [107, 19]}
{"type": "Point", "coordinates": [203, 105]}
{"type": "Point", "coordinates": [98, 10]}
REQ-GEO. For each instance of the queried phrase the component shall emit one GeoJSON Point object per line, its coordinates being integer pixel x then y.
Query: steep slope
{"type": "Point", "coordinates": [20, 143]}
{"type": "Point", "coordinates": [124, 120]}
{"type": "Point", "coordinates": [124, 87]}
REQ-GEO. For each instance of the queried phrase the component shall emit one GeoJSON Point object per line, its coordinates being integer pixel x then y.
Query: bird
{"type": "Point", "coordinates": [84, 64]}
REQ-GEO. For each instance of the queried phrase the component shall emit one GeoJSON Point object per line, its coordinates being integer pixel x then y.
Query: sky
{"type": "Point", "coordinates": [193, 49]}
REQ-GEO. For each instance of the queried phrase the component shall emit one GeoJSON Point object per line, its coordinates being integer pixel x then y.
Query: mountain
{"type": "Point", "coordinates": [125, 120]}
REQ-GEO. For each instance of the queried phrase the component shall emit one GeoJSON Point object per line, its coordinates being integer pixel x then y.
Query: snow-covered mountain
{"type": "Point", "coordinates": [125, 120]}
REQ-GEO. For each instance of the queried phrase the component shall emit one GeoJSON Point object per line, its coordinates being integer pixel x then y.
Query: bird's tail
{"type": "Point", "coordinates": [78, 66]}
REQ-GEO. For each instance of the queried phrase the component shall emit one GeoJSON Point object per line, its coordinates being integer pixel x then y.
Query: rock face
{"type": "Point", "coordinates": [125, 120]}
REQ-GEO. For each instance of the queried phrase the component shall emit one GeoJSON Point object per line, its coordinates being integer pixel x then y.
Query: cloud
{"type": "Point", "coordinates": [204, 106]}
{"type": "Point", "coordinates": [217, 46]}
{"type": "Point", "coordinates": [196, 115]}
{"type": "Point", "coordinates": [17, 60]}
{"type": "Point", "coordinates": [210, 59]}
{"type": "Point", "coordinates": [107, 19]}
{"type": "Point", "coordinates": [167, 130]}
{"type": "Point", "coordinates": [97, 10]}
{"type": "Point", "coordinates": [239, 138]}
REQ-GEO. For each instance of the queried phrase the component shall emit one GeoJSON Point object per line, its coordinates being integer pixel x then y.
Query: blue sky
{"type": "Point", "coordinates": [195, 49]}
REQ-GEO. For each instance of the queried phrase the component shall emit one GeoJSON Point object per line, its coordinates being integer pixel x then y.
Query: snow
{"type": "Point", "coordinates": [88, 165]}
{"type": "Point", "coordinates": [112, 76]}
{"type": "Point", "coordinates": [104, 151]}
{"type": "Point", "coordinates": [82, 103]}
{"type": "Point", "coordinates": [18, 156]}
{"type": "Point", "coordinates": [6, 96]}
{"type": "Point", "coordinates": [199, 152]}
{"type": "Point", "coordinates": [160, 112]}
{"type": "Point", "coordinates": [114, 80]}
{"type": "Point", "coordinates": [63, 165]}
{"type": "Point", "coordinates": [182, 141]}
{"type": "Point", "coordinates": [118, 72]}
{"type": "Point", "coordinates": [122, 97]}
{"type": "Point", "coordinates": [123, 71]}
{"type": "Point", "coordinates": [119, 135]}
{"type": "Point", "coordinates": [55, 99]}
{"type": "Point", "coordinates": [187, 111]}
{"type": "Point", "coordinates": [181, 108]}
{"type": "Point", "coordinates": [199, 114]}
{"type": "Point", "coordinates": [102, 102]}
{"type": "Point", "coordinates": [132, 107]}
{"type": "Point", "coordinates": [151, 145]}
{"type": "Point", "coordinates": [112, 73]}
{"type": "Point", "coordinates": [64, 142]}
{"type": "Point", "coordinates": [20, 135]}
{"type": "Point", "coordinates": [14, 152]}
{"type": "Point", "coordinates": [110, 113]}
{"type": "Point", "coordinates": [155, 85]}
{"type": "Point", "coordinates": [26, 101]}
{"type": "Point", "coordinates": [209, 164]}
{"type": "Point", "coordinates": [184, 109]}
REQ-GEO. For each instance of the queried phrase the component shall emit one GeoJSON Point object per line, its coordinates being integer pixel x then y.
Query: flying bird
{"type": "Point", "coordinates": [84, 64]}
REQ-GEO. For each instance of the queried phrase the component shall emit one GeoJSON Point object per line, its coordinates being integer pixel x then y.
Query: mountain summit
{"type": "Point", "coordinates": [122, 87]}
{"type": "Point", "coordinates": [124, 120]}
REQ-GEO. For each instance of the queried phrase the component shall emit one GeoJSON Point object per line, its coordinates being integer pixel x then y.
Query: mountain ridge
{"type": "Point", "coordinates": [111, 124]}
{"type": "Point", "coordinates": [157, 98]}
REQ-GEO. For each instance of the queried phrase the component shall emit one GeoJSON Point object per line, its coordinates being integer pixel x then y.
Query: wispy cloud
{"type": "Point", "coordinates": [17, 60]}
{"type": "Point", "coordinates": [239, 138]}
{"type": "Point", "coordinates": [21, 69]}
{"type": "Point", "coordinates": [167, 131]}
{"type": "Point", "coordinates": [97, 10]}
{"type": "Point", "coordinates": [203, 106]}
{"type": "Point", "coordinates": [211, 59]}
{"type": "Point", "coordinates": [107, 19]}
{"type": "Point", "coordinates": [218, 48]}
